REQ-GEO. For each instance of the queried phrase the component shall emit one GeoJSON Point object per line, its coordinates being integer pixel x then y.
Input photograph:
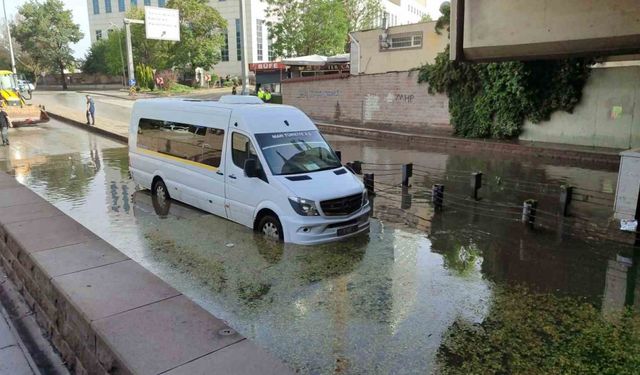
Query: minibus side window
{"type": "Point", "coordinates": [241, 150]}
{"type": "Point", "coordinates": [195, 143]}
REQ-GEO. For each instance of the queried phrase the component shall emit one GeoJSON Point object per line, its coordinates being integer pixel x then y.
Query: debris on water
{"type": "Point", "coordinates": [628, 225]}
{"type": "Point", "coordinates": [229, 244]}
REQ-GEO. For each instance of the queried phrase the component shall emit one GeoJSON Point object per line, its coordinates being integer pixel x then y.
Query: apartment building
{"type": "Point", "coordinates": [105, 15]}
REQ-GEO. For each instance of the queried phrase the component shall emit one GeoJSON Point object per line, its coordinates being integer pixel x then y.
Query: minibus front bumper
{"type": "Point", "coordinates": [311, 230]}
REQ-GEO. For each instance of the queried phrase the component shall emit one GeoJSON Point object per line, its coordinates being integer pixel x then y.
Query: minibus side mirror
{"type": "Point", "coordinates": [251, 168]}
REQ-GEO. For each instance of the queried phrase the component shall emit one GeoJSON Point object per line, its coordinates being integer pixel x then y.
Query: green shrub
{"type": "Point", "coordinates": [494, 99]}
{"type": "Point", "coordinates": [533, 333]}
{"type": "Point", "coordinates": [144, 76]}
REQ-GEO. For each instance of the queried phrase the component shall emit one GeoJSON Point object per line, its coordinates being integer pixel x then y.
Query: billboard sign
{"type": "Point", "coordinates": [162, 23]}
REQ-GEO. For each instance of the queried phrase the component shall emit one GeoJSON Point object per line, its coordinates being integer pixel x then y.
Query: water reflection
{"type": "Point", "coordinates": [374, 304]}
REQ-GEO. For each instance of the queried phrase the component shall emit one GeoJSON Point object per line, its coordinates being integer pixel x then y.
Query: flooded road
{"type": "Point", "coordinates": [377, 304]}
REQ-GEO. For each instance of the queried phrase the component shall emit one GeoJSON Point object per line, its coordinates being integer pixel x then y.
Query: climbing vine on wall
{"type": "Point", "coordinates": [494, 99]}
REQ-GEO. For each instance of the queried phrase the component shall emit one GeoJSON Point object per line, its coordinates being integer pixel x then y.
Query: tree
{"type": "Point", "coordinates": [201, 35]}
{"type": "Point", "coordinates": [106, 56]}
{"type": "Point", "coordinates": [306, 27]}
{"type": "Point", "coordinates": [150, 52]}
{"type": "Point", "coordinates": [426, 18]}
{"type": "Point", "coordinates": [45, 31]}
{"type": "Point", "coordinates": [363, 14]}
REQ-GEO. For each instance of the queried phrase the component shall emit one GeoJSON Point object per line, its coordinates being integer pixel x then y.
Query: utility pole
{"type": "Point", "coordinates": [6, 21]}
{"type": "Point", "coordinates": [127, 27]}
{"type": "Point", "coordinates": [245, 64]}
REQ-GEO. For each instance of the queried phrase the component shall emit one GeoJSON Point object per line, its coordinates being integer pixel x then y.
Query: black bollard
{"type": "Point", "coordinates": [529, 211]}
{"type": "Point", "coordinates": [405, 201]}
{"type": "Point", "coordinates": [566, 193]}
{"type": "Point", "coordinates": [339, 155]}
{"type": "Point", "coordinates": [369, 183]}
{"type": "Point", "coordinates": [407, 173]}
{"type": "Point", "coordinates": [476, 184]}
{"type": "Point", "coordinates": [356, 167]}
{"type": "Point", "coordinates": [437, 196]}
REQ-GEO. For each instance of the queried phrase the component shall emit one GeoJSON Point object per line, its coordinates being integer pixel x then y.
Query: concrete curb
{"type": "Point", "coordinates": [609, 159]}
{"type": "Point", "coordinates": [93, 129]}
{"type": "Point", "coordinates": [105, 313]}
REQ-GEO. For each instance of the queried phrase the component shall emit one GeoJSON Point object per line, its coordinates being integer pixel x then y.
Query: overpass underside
{"type": "Point", "coordinates": [494, 30]}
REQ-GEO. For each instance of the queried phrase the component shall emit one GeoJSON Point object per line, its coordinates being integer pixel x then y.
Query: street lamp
{"type": "Point", "coordinates": [124, 76]}
{"type": "Point", "coordinates": [13, 59]}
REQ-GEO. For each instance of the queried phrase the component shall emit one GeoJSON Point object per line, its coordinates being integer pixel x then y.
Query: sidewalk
{"type": "Point", "coordinates": [124, 94]}
{"type": "Point", "coordinates": [14, 359]}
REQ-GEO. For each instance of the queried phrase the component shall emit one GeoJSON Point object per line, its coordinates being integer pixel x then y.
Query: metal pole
{"type": "Point", "coordinates": [127, 28]}
{"type": "Point", "coordinates": [13, 59]}
{"type": "Point", "coordinates": [243, 46]}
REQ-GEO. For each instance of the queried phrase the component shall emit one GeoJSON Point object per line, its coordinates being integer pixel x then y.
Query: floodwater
{"type": "Point", "coordinates": [376, 304]}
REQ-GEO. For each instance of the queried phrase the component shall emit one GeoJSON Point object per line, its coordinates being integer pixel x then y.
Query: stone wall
{"type": "Point", "coordinates": [389, 101]}
{"type": "Point", "coordinates": [102, 311]}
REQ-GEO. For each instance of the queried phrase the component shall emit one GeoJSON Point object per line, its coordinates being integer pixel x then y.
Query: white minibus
{"type": "Point", "coordinates": [265, 166]}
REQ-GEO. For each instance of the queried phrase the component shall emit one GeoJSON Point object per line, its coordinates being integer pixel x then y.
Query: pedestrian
{"type": "Point", "coordinates": [91, 111]}
{"type": "Point", "coordinates": [5, 124]}
{"type": "Point", "coordinates": [234, 90]}
{"type": "Point", "coordinates": [261, 93]}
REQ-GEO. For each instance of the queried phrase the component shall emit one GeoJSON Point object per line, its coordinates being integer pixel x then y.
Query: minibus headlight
{"type": "Point", "coordinates": [365, 198]}
{"type": "Point", "coordinates": [304, 207]}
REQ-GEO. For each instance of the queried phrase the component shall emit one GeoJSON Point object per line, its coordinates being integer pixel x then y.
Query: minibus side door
{"type": "Point", "coordinates": [243, 193]}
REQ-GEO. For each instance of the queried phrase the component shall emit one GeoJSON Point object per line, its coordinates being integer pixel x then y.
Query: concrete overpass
{"type": "Point", "coordinates": [493, 30]}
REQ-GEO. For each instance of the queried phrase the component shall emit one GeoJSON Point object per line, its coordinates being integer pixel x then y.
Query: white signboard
{"type": "Point", "coordinates": [162, 23]}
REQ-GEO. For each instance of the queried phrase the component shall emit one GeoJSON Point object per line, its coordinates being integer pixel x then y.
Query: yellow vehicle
{"type": "Point", "coordinates": [17, 108]}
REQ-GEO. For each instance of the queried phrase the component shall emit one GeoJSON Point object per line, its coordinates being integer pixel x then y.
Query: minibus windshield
{"type": "Point", "coordinates": [297, 152]}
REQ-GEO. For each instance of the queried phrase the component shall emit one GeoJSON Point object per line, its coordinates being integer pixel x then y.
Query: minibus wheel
{"type": "Point", "coordinates": [160, 191]}
{"type": "Point", "coordinates": [271, 228]}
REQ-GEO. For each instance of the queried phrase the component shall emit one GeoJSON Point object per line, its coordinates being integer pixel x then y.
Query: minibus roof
{"type": "Point", "coordinates": [256, 118]}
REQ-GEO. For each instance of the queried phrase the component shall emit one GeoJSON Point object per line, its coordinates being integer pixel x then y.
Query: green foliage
{"type": "Point", "coordinates": [307, 27]}
{"type": "Point", "coordinates": [45, 31]}
{"type": "Point", "coordinates": [494, 99]}
{"type": "Point", "coordinates": [201, 35]}
{"type": "Point", "coordinates": [177, 88]}
{"type": "Point", "coordinates": [444, 19]}
{"type": "Point", "coordinates": [144, 76]}
{"type": "Point", "coordinates": [362, 14]}
{"type": "Point", "coordinates": [147, 51]}
{"type": "Point", "coordinates": [532, 333]}
{"type": "Point", "coordinates": [106, 56]}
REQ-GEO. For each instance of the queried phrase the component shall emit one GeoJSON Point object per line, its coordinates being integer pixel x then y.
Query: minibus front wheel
{"type": "Point", "coordinates": [159, 189]}
{"type": "Point", "coordinates": [270, 227]}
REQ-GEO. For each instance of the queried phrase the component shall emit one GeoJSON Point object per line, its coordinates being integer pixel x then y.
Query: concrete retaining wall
{"type": "Point", "coordinates": [608, 114]}
{"type": "Point", "coordinates": [389, 101]}
{"type": "Point", "coordinates": [103, 312]}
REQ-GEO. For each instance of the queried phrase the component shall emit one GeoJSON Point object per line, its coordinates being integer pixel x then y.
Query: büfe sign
{"type": "Point", "coordinates": [162, 23]}
{"type": "Point", "coordinates": [255, 67]}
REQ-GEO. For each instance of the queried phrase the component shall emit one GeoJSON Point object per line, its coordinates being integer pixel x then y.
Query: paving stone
{"type": "Point", "coordinates": [18, 195]}
{"type": "Point", "coordinates": [24, 212]}
{"type": "Point", "coordinates": [47, 233]}
{"type": "Point", "coordinates": [79, 257]}
{"type": "Point", "coordinates": [111, 289]}
{"type": "Point", "coordinates": [6, 335]}
{"type": "Point", "coordinates": [242, 358]}
{"type": "Point", "coordinates": [163, 335]}
{"type": "Point", "coordinates": [13, 362]}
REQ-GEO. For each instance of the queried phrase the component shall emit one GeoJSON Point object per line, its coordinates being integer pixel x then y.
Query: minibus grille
{"type": "Point", "coordinates": [342, 206]}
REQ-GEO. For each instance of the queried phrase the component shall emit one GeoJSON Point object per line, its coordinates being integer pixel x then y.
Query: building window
{"type": "Point", "coordinates": [225, 47]}
{"type": "Point", "coordinates": [107, 6]}
{"type": "Point", "coordinates": [194, 143]}
{"type": "Point", "coordinates": [96, 7]}
{"type": "Point", "coordinates": [147, 2]}
{"type": "Point", "coordinates": [134, 3]}
{"type": "Point", "coordinates": [121, 6]}
{"type": "Point", "coordinates": [238, 40]}
{"type": "Point", "coordinates": [259, 38]}
{"type": "Point", "coordinates": [161, 3]}
{"type": "Point", "coordinates": [98, 34]}
{"type": "Point", "coordinates": [406, 41]}
{"type": "Point", "coordinates": [271, 52]}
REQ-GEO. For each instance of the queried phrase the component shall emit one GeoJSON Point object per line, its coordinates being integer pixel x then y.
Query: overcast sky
{"type": "Point", "coordinates": [80, 16]}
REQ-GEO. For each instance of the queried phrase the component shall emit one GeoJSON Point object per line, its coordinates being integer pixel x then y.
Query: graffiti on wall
{"type": "Point", "coordinates": [400, 98]}
{"type": "Point", "coordinates": [310, 94]}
